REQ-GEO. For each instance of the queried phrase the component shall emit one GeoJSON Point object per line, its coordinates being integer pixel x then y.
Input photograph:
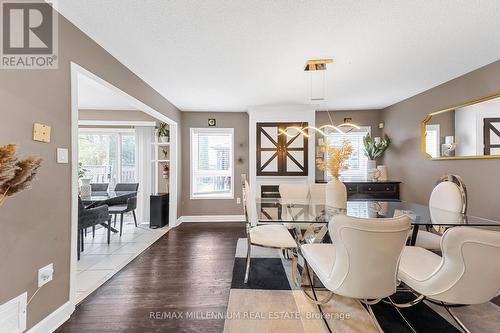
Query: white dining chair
{"type": "Point", "coordinates": [449, 195]}
{"type": "Point", "coordinates": [294, 194]}
{"type": "Point", "coordinates": [298, 196]}
{"type": "Point", "coordinates": [317, 193]}
{"type": "Point", "coordinates": [274, 236]}
{"type": "Point", "coordinates": [467, 273]}
{"type": "Point", "coordinates": [362, 263]}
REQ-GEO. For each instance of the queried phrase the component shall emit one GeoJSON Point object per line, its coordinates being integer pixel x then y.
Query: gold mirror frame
{"type": "Point", "coordinates": [430, 115]}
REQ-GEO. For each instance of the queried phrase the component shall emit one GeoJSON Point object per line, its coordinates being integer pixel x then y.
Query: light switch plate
{"type": "Point", "coordinates": [41, 132]}
{"type": "Point", "coordinates": [62, 155]}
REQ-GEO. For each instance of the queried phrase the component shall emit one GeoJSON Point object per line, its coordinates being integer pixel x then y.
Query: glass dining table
{"type": "Point", "coordinates": [272, 210]}
{"type": "Point", "coordinates": [99, 198]}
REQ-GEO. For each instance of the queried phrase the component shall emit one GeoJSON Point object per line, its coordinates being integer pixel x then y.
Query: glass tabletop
{"type": "Point", "coordinates": [102, 196]}
{"type": "Point", "coordinates": [274, 210]}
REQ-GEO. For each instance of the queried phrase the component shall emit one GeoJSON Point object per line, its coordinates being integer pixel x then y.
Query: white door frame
{"type": "Point", "coordinates": [174, 158]}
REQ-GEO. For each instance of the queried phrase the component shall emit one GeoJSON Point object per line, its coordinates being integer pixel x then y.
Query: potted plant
{"type": "Point", "coordinates": [335, 160]}
{"type": "Point", "coordinates": [165, 153]}
{"type": "Point", "coordinates": [374, 148]}
{"type": "Point", "coordinates": [163, 132]}
{"type": "Point", "coordinates": [85, 188]}
{"type": "Point", "coordinates": [15, 175]}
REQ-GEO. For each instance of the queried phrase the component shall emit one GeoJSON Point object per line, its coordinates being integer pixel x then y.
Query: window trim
{"type": "Point", "coordinates": [191, 159]}
{"type": "Point", "coordinates": [364, 128]}
{"type": "Point", "coordinates": [112, 131]}
{"type": "Point", "coordinates": [437, 129]}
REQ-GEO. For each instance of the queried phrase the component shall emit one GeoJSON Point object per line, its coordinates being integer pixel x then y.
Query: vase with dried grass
{"type": "Point", "coordinates": [334, 159]}
{"type": "Point", "coordinates": [15, 175]}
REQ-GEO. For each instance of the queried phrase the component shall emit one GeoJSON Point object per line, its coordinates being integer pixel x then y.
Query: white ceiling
{"type": "Point", "coordinates": [226, 55]}
{"type": "Point", "coordinates": [93, 95]}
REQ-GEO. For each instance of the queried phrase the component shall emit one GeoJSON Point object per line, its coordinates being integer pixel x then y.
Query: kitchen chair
{"type": "Point", "coordinates": [449, 195]}
{"type": "Point", "coordinates": [126, 187]}
{"type": "Point", "coordinates": [362, 261]}
{"type": "Point", "coordinates": [271, 236]}
{"type": "Point", "coordinates": [119, 206]}
{"type": "Point", "coordinates": [467, 273]}
{"type": "Point", "coordinates": [99, 187]}
{"type": "Point", "coordinates": [90, 218]}
{"type": "Point", "coordinates": [116, 210]}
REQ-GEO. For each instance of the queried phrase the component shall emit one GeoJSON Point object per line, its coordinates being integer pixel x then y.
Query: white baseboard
{"type": "Point", "coordinates": [211, 218]}
{"type": "Point", "coordinates": [50, 323]}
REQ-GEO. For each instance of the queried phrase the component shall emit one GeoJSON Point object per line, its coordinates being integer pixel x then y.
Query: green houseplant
{"type": "Point", "coordinates": [163, 132]}
{"type": "Point", "coordinates": [374, 148]}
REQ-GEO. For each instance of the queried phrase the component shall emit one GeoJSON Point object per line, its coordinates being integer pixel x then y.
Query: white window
{"type": "Point", "coordinates": [358, 161]}
{"type": "Point", "coordinates": [432, 135]}
{"type": "Point", "coordinates": [212, 169]}
{"type": "Point", "coordinates": [106, 154]}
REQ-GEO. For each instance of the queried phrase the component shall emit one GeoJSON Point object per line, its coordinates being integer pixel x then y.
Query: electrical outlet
{"type": "Point", "coordinates": [45, 274]}
{"type": "Point", "coordinates": [238, 201]}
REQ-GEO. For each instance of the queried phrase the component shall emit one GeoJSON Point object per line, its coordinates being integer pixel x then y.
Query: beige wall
{"type": "Point", "coordinates": [114, 115]}
{"type": "Point", "coordinates": [370, 118]}
{"type": "Point", "coordinates": [405, 162]}
{"type": "Point", "coordinates": [236, 120]}
{"type": "Point", "coordinates": [35, 224]}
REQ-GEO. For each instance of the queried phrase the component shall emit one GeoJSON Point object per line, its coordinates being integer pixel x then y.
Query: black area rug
{"type": "Point", "coordinates": [421, 317]}
{"type": "Point", "coordinates": [265, 273]}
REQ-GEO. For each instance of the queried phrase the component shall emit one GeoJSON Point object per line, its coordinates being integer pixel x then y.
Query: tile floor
{"type": "Point", "coordinates": [100, 261]}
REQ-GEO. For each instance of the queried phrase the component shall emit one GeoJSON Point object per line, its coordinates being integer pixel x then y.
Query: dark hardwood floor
{"type": "Point", "coordinates": [188, 269]}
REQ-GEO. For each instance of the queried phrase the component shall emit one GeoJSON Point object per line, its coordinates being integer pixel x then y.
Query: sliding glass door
{"type": "Point", "coordinates": [108, 155]}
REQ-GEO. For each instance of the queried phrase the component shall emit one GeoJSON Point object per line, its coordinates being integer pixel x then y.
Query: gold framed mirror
{"type": "Point", "coordinates": [465, 131]}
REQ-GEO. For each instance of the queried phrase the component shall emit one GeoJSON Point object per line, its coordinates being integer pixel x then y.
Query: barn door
{"type": "Point", "coordinates": [491, 132]}
{"type": "Point", "coordinates": [279, 154]}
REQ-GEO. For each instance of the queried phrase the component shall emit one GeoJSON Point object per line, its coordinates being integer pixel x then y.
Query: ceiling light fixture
{"type": "Point", "coordinates": [317, 74]}
{"type": "Point", "coordinates": [308, 131]}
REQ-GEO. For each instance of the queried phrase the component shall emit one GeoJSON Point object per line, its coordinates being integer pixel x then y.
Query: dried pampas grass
{"type": "Point", "coordinates": [15, 175]}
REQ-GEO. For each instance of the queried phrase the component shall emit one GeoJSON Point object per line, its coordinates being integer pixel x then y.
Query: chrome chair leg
{"type": "Point", "coordinates": [402, 306]}
{"type": "Point", "coordinates": [373, 318]}
{"type": "Point", "coordinates": [313, 298]}
{"type": "Point", "coordinates": [417, 300]}
{"type": "Point", "coordinates": [249, 255]}
{"type": "Point", "coordinates": [457, 320]}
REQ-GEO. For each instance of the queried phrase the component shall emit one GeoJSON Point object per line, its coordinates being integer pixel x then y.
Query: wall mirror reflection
{"type": "Point", "coordinates": [470, 130]}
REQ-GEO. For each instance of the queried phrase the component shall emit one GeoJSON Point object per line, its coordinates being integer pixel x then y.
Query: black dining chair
{"type": "Point", "coordinates": [99, 187]}
{"type": "Point", "coordinates": [90, 218]}
{"type": "Point", "coordinates": [116, 210]}
{"type": "Point", "coordinates": [120, 206]}
{"type": "Point", "coordinates": [126, 187]}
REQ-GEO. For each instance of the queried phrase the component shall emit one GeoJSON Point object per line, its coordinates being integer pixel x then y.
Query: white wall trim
{"type": "Point", "coordinates": [50, 323]}
{"type": "Point", "coordinates": [210, 218]}
{"type": "Point", "coordinates": [116, 123]}
{"type": "Point", "coordinates": [175, 157]}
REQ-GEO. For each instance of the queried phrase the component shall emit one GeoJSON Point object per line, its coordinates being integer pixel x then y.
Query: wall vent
{"type": "Point", "coordinates": [13, 315]}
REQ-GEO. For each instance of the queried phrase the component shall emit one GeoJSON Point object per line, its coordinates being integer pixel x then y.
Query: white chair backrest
{"type": "Point", "coordinates": [448, 196]}
{"type": "Point", "coordinates": [249, 205]}
{"type": "Point", "coordinates": [470, 270]}
{"type": "Point", "coordinates": [294, 193]}
{"type": "Point", "coordinates": [317, 193]}
{"type": "Point", "coordinates": [367, 253]}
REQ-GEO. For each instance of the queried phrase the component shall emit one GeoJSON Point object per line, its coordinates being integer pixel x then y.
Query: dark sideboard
{"type": "Point", "coordinates": [367, 190]}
